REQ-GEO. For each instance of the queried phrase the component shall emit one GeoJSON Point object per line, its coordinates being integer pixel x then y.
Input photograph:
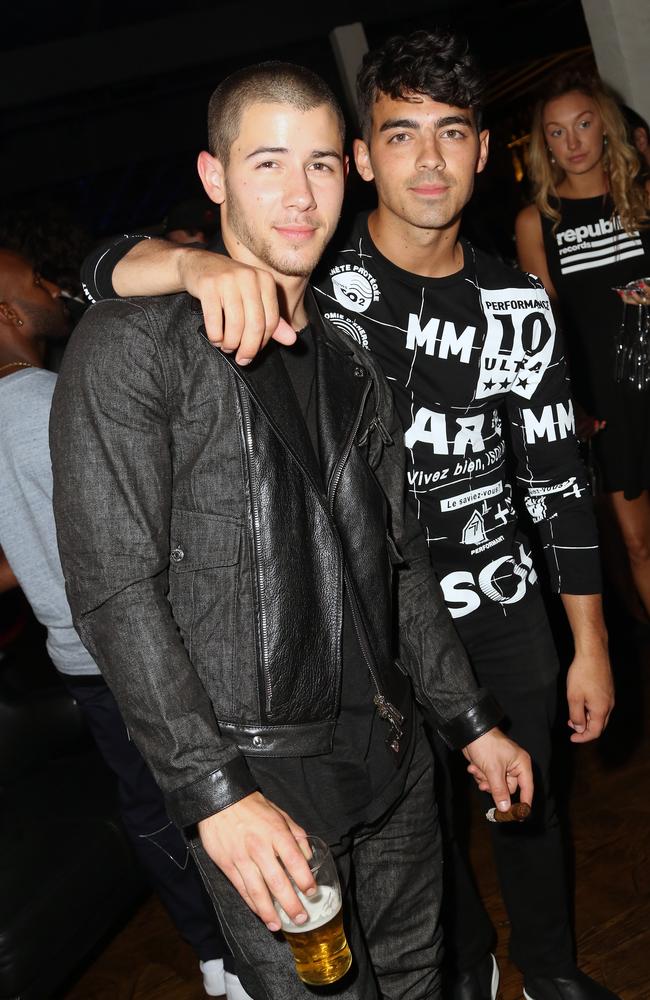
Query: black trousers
{"type": "Point", "coordinates": [159, 844]}
{"type": "Point", "coordinates": [516, 660]}
{"type": "Point", "coordinates": [391, 881]}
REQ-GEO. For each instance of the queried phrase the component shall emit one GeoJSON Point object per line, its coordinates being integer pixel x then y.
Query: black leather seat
{"type": "Point", "coordinates": [67, 873]}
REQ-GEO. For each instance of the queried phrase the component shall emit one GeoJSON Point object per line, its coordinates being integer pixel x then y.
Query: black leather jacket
{"type": "Point", "coordinates": [205, 561]}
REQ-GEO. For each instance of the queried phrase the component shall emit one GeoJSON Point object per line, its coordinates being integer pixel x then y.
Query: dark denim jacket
{"type": "Point", "coordinates": [204, 559]}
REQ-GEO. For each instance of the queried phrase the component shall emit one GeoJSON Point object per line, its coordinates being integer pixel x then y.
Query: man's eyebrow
{"type": "Point", "coordinates": [399, 123]}
{"type": "Point", "coordinates": [454, 120]}
{"type": "Point", "coordinates": [391, 123]}
{"type": "Point", "coordinates": [316, 154]}
{"type": "Point", "coordinates": [267, 149]}
{"type": "Point", "coordinates": [319, 154]}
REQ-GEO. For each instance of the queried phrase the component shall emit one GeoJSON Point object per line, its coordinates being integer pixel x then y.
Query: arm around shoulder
{"type": "Point", "coordinates": [239, 302]}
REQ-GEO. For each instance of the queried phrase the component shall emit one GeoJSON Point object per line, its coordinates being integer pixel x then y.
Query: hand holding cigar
{"type": "Point", "coordinates": [517, 813]}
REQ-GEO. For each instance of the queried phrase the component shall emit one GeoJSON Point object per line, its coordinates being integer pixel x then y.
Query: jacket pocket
{"type": "Point", "coordinates": [203, 591]}
{"type": "Point", "coordinates": [201, 541]}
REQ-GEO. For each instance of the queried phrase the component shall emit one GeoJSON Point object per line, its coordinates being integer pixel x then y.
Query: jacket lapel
{"type": "Point", "coordinates": [341, 384]}
{"type": "Point", "coordinates": [267, 380]}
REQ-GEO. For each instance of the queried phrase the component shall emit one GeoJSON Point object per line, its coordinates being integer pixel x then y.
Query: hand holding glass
{"type": "Point", "coordinates": [320, 949]}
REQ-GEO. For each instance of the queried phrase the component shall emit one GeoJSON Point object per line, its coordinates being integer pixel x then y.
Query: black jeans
{"type": "Point", "coordinates": [520, 669]}
{"type": "Point", "coordinates": [159, 845]}
{"type": "Point", "coordinates": [391, 878]}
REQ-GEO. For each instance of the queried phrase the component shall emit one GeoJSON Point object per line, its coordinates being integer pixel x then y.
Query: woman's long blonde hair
{"type": "Point", "coordinates": [620, 161]}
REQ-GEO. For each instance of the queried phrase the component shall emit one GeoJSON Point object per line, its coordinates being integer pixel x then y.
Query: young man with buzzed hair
{"type": "Point", "coordinates": [237, 550]}
{"type": "Point", "coordinates": [466, 343]}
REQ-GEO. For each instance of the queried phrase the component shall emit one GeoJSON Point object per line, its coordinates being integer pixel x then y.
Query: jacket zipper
{"type": "Point", "coordinates": [385, 709]}
{"type": "Point", "coordinates": [376, 424]}
{"type": "Point", "coordinates": [257, 540]}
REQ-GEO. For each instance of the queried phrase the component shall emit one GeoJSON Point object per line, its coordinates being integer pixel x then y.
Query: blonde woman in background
{"type": "Point", "coordinates": [585, 234]}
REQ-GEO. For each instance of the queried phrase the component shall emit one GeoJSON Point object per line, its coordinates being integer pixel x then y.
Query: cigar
{"type": "Point", "coordinates": [517, 813]}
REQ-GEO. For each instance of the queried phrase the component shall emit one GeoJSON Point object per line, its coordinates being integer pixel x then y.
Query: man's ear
{"type": "Point", "coordinates": [212, 177]}
{"type": "Point", "coordinates": [9, 315]}
{"type": "Point", "coordinates": [484, 145]}
{"type": "Point", "coordinates": [362, 160]}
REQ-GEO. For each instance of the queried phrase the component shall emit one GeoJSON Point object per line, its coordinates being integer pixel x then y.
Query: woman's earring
{"type": "Point", "coordinates": [550, 154]}
{"type": "Point", "coordinates": [605, 140]}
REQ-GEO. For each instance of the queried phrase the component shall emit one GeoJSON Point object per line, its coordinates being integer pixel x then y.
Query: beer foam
{"type": "Point", "coordinates": [320, 908]}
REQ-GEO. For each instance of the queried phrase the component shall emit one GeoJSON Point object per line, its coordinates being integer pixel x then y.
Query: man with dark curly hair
{"type": "Point", "coordinates": [467, 343]}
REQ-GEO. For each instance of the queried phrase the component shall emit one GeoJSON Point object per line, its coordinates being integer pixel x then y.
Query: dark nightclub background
{"type": "Point", "coordinates": [102, 105]}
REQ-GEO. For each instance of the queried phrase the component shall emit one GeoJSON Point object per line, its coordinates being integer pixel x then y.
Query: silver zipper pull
{"type": "Point", "coordinates": [391, 715]}
{"type": "Point", "coordinates": [387, 711]}
{"type": "Point", "coordinates": [383, 431]}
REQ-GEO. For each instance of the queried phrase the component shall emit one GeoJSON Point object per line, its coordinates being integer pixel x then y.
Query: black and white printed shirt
{"type": "Point", "coordinates": [463, 354]}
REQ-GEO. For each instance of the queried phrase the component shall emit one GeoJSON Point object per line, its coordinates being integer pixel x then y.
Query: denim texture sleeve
{"type": "Point", "coordinates": [429, 646]}
{"type": "Point", "coordinates": [110, 445]}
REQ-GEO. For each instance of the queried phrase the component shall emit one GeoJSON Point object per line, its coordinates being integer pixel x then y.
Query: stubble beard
{"type": "Point", "coordinates": [293, 267]}
{"type": "Point", "coordinates": [435, 215]}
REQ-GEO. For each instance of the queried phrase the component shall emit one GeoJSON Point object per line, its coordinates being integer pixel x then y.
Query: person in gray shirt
{"type": "Point", "coordinates": [32, 313]}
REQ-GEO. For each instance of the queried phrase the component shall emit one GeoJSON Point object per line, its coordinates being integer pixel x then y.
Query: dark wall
{"type": "Point", "coordinates": [102, 105]}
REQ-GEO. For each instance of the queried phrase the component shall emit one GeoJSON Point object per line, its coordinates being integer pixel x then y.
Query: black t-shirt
{"type": "Point", "coordinates": [332, 793]}
{"type": "Point", "coordinates": [464, 353]}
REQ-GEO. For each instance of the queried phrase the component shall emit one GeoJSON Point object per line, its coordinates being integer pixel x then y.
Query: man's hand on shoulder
{"type": "Point", "coordinates": [500, 766]}
{"type": "Point", "coordinates": [256, 845]}
{"type": "Point", "coordinates": [239, 303]}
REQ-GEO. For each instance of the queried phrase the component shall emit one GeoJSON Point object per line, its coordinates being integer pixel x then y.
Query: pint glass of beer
{"type": "Point", "coordinates": [320, 950]}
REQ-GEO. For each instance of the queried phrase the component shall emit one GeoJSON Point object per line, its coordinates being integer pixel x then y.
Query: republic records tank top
{"type": "Point", "coordinates": [588, 254]}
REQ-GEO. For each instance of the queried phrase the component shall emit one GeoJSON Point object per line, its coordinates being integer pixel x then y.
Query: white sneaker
{"type": "Point", "coordinates": [234, 989]}
{"type": "Point", "coordinates": [214, 982]}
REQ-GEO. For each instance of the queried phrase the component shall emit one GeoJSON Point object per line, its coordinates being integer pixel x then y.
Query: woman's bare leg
{"type": "Point", "coordinates": [633, 519]}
